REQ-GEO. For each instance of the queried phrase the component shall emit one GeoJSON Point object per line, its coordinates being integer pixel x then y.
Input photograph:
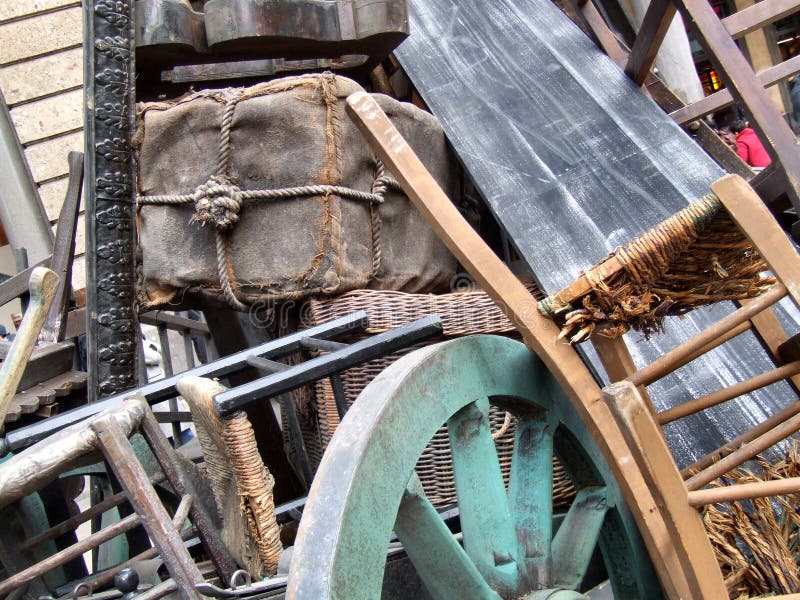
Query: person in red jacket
{"type": "Point", "coordinates": [747, 144]}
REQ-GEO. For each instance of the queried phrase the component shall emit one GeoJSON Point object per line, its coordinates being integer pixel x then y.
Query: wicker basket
{"type": "Point", "coordinates": [461, 314]}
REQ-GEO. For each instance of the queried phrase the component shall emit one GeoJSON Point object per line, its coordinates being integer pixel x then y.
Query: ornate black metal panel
{"type": "Point", "coordinates": [111, 328]}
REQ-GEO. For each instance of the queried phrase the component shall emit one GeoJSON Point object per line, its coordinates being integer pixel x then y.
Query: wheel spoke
{"type": "Point", "coordinates": [577, 537]}
{"type": "Point", "coordinates": [530, 494]}
{"type": "Point", "coordinates": [440, 561]}
{"type": "Point", "coordinates": [489, 537]}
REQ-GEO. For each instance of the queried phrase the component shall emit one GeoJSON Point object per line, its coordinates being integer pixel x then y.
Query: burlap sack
{"type": "Point", "coordinates": [196, 229]}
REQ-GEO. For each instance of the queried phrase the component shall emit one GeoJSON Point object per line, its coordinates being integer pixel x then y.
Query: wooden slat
{"type": "Point", "coordinates": [723, 98]}
{"type": "Point", "coordinates": [14, 9]}
{"type": "Point", "coordinates": [49, 117]}
{"type": "Point", "coordinates": [654, 27]}
{"type": "Point", "coordinates": [758, 15]}
{"type": "Point", "coordinates": [43, 76]}
{"type": "Point", "coordinates": [41, 34]}
{"type": "Point", "coordinates": [48, 159]}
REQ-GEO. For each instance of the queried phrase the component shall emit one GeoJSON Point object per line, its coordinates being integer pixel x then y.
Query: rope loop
{"type": "Point", "coordinates": [217, 201]}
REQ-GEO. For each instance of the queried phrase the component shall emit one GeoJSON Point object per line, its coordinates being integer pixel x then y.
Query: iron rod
{"type": "Point", "coordinates": [166, 361]}
{"type": "Point", "coordinates": [324, 345]}
{"type": "Point", "coordinates": [167, 460]}
{"type": "Point", "coordinates": [158, 591]}
{"type": "Point", "coordinates": [120, 456]}
{"type": "Point", "coordinates": [339, 395]}
{"type": "Point", "coordinates": [73, 522]}
{"type": "Point", "coordinates": [297, 437]}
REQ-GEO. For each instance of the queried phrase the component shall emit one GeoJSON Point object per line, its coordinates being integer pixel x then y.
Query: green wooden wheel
{"type": "Point", "coordinates": [365, 487]}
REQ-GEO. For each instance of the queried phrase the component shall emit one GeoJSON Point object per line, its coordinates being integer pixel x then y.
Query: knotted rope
{"type": "Point", "coordinates": [219, 201]}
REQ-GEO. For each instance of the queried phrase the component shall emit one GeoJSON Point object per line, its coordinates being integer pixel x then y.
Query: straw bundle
{"type": "Point", "coordinates": [757, 542]}
{"type": "Point", "coordinates": [697, 256]}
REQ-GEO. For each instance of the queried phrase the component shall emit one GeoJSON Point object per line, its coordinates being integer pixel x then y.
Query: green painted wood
{"type": "Point", "coordinates": [578, 536]}
{"type": "Point", "coordinates": [530, 494]}
{"type": "Point", "coordinates": [361, 483]}
{"type": "Point", "coordinates": [436, 554]}
{"type": "Point", "coordinates": [486, 523]}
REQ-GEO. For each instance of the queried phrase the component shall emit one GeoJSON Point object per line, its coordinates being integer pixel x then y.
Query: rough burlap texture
{"type": "Point", "coordinates": [285, 133]}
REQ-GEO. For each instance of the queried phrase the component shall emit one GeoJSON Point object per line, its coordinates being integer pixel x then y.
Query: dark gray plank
{"type": "Point", "coordinates": [575, 160]}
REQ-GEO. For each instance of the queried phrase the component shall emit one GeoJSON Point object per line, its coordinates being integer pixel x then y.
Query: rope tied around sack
{"type": "Point", "coordinates": [219, 200]}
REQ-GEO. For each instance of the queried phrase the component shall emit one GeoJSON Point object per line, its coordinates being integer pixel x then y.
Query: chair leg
{"type": "Point", "coordinates": [119, 454]}
{"type": "Point", "coordinates": [761, 228]}
{"type": "Point", "coordinates": [199, 513]}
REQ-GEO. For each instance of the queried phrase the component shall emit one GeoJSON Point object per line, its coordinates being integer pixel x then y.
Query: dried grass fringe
{"type": "Point", "coordinates": [697, 256]}
{"type": "Point", "coordinates": [757, 542]}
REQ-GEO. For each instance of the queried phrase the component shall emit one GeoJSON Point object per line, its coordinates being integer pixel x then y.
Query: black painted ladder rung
{"type": "Point", "coordinates": [312, 343]}
{"type": "Point", "coordinates": [266, 365]}
{"type": "Point", "coordinates": [325, 365]}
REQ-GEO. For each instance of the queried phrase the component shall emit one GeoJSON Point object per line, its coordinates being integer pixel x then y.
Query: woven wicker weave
{"type": "Point", "coordinates": [461, 314]}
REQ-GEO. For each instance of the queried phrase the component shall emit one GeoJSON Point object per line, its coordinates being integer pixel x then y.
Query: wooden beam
{"type": "Point", "coordinates": [605, 37]}
{"type": "Point", "coordinates": [739, 78]}
{"type": "Point", "coordinates": [654, 27]}
{"type": "Point", "coordinates": [723, 98]}
{"type": "Point", "coordinates": [758, 15]}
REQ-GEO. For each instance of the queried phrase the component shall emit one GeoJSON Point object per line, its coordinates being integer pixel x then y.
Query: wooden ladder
{"type": "Point", "coordinates": [717, 37]}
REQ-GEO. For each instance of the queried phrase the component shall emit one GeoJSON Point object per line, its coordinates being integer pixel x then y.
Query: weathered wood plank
{"type": "Point", "coordinates": [575, 160]}
{"type": "Point", "coordinates": [48, 159]}
{"type": "Point", "coordinates": [49, 117]}
{"type": "Point", "coordinates": [40, 34]}
{"type": "Point", "coordinates": [42, 76]}
{"type": "Point", "coordinates": [14, 9]}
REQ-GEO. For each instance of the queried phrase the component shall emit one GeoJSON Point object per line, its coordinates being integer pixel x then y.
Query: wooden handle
{"type": "Point", "coordinates": [42, 286]}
